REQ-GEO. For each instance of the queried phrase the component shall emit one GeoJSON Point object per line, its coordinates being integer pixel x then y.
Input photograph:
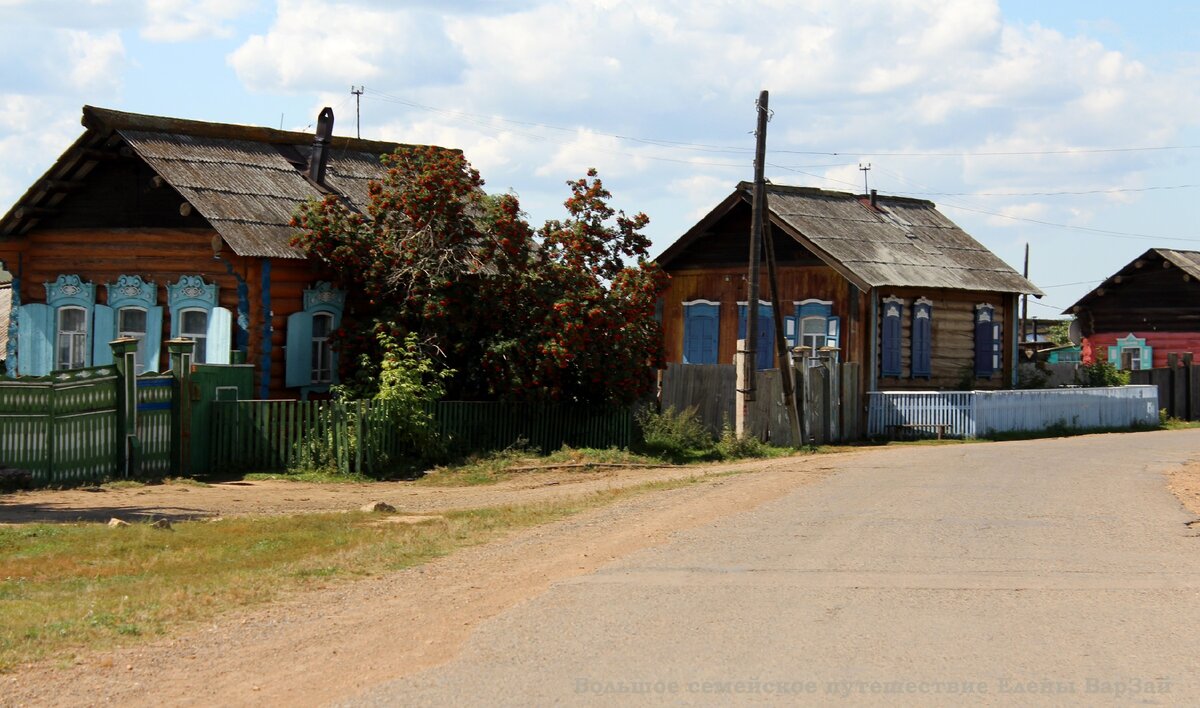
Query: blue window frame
{"type": "Point", "coordinates": [890, 335]}
{"type": "Point", "coordinates": [816, 326]}
{"type": "Point", "coordinates": [922, 339]}
{"type": "Point", "coordinates": [312, 364]}
{"type": "Point", "coordinates": [132, 311]}
{"type": "Point", "coordinates": [1131, 353]}
{"type": "Point", "coordinates": [195, 315]}
{"type": "Point", "coordinates": [701, 330]}
{"type": "Point", "coordinates": [60, 333]}
{"type": "Point", "coordinates": [987, 341]}
{"type": "Point", "coordinates": [764, 355]}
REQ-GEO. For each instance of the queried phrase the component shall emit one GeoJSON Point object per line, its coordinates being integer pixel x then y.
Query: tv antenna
{"type": "Point", "coordinates": [358, 92]}
{"type": "Point", "coordinates": [865, 169]}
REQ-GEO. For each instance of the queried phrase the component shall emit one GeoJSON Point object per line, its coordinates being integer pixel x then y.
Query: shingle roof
{"type": "Point", "coordinates": [1187, 261]}
{"type": "Point", "coordinates": [901, 243]}
{"type": "Point", "coordinates": [245, 181]}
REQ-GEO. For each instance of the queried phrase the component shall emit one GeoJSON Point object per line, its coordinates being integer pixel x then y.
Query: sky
{"type": "Point", "coordinates": [1073, 127]}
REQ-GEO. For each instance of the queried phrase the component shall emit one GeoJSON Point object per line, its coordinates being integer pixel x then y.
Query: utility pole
{"type": "Point", "coordinates": [1024, 299]}
{"type": "Point", "coordinates": [865, 169]}
{"type": "Point", "coordinates": [746, 391]}
{"type": "Point", "coordinates": [358, 92]}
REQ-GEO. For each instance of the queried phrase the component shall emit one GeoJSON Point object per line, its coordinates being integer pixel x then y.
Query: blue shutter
{"type": "Point", "coordinates": [833, 332]}
{"type": "Point", "coordinates": [742, 321]}
{"type": "Point", "coordinates": [984, 342]}
{"type": "Point", "coordinates": [35, 339]}
{"type": "Point", "coordinates": [922, 350]}
{"type": "Point", "coordinates": [220, 331]}
{"type": "Point", "coordinates": [104, 330]}
{"type": "Point", "coordinates": [890, 346]}
{"type": "Point", "coordinates": [790, 323]}
{"type": "Point", "coordinates": [154, 320]}
{"type": "Point", "coordinates": [766, 339]}
{"type": "Point", "coordinates": [299, 350]}
{"type": "Point", "coordinates": [700, 333]}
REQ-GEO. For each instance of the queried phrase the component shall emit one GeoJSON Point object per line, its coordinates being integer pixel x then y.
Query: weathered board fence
{"type": "Point", "coordinates": [362, 436]}
{"type": "Point", "coordinates": [87, 425]}
{"type": "Point", "coordinates": [1178, 386]}
{"type": "Point", "coordinates": [828, 397]}
{"type": "Point", "coordinates": [975, 414]}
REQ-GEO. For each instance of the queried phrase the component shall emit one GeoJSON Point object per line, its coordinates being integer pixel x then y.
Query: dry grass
{"type": "Point", "coordinates": [66, 588]}
{"type": "Point", "coordinates": [498, 466]}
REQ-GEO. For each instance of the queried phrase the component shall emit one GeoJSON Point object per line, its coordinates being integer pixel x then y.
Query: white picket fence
{"type": "Point", "coordinates": [972, 414]}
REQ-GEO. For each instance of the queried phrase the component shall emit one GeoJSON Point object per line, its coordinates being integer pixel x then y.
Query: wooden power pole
{"type": "Point", "coordinates": [749, 362]}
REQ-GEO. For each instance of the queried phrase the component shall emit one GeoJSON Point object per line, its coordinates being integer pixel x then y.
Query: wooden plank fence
{"type": "Point", "coordinates": [359, 436]}
{"type": "Point", "coordinates": [828, 394]}
{"type": "Point", "coordinates": [62, 429]}
{"type": "Point", "coordinates": [1178, 386]}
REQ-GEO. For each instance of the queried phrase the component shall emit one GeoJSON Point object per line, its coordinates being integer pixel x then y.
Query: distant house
{"type": "Point", "coordinates": [155, 228]}
{"type": "Point", "coordinates": [887, 281]}
{"type": "Point", "coordinates": [1144, 312]}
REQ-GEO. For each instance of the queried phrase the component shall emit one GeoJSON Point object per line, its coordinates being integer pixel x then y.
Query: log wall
{"type": "Point", "coordinates": [162, 255]}
{"type": "Point", "coordinates": [953, 340]}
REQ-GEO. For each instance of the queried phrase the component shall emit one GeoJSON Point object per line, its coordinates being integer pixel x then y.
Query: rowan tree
{"type": "Point", "coordinates": [561, 313]}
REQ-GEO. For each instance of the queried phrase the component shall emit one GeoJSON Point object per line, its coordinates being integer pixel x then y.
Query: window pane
{"type": "Point", "coordinates": [132, 321]}
{"type": "Point", "coordinates": [71, 319]}
{"type": "Point", "coordinates": [194, 324]}
{"type": "Point", "coordinates": [322, 325]}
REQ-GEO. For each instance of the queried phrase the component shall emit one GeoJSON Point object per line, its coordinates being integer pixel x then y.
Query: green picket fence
{"type": "Point", "coordinates": [62, 429]}
{"type": "Point", "coordinates": [358, 435]}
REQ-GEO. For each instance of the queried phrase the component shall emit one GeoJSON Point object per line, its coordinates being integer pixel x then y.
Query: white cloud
{"type": "Point", "coordinates": [180, 20]}
{"type": "Point", "coordinates": [313, 43]}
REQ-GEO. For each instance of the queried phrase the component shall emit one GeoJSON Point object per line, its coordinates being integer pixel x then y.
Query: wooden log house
{"type": "Point", "coordinates": [886, 281]}
{"type": "Point", "coordinates": [157, 227]}
{"type": "Point", "coordinates": [1144, 312]}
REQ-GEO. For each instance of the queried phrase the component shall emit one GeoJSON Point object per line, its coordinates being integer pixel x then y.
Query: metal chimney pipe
{"type": "Point", "coordinates": [874, 192]}
{"type": "Point", "coordinates": [319, 159]}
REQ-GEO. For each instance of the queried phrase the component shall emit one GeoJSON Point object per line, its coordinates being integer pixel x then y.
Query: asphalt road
{"type": "Point", "coordinates": [1052, 571]}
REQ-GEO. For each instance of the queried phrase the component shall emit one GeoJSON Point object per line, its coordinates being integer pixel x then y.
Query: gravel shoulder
{"type": "Point", "coordinates": [180, 502]}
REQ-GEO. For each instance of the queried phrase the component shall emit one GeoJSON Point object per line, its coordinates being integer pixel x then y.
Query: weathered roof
{"type": "Point", "coordinates": [1187, 261]}
{"type": "Point", "coordinates": [900, 242]}
{"type": "Point", "coordinates": [245, 181]}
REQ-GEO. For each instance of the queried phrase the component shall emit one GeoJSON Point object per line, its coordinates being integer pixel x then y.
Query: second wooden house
{"type": "Point", "coordinates": [886, 281]}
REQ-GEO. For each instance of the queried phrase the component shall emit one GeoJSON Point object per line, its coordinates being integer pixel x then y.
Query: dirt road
{"type": "Point", "coordinates": [978, 566]}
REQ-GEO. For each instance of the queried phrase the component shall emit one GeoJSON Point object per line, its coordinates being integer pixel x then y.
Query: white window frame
{"type": "Point", "coordinates": [322, 365]}
{"type": "Point", "coordinates": [122, 331]}
{"type": "Point", "coordinates": [79, 337]}
{"type": "Point", "coordinates": [201, 349]}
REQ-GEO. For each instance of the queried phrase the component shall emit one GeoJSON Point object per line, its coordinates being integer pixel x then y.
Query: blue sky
{"type": "Point", "coordinates": [1026, 122]}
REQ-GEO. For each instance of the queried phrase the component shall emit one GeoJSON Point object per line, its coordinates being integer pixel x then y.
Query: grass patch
{"type": "Point", "coordinates": [496, 467]}
{"type": "Point", "coordinates": [317, 476]}
{"type": "Point", "coordinates": [67, 588]}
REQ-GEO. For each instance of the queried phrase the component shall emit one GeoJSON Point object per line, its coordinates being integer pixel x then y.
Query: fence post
{"type": "Point", "coordinates": [180, 352]}
{"type": "Point", "coordinates": [125, 359]}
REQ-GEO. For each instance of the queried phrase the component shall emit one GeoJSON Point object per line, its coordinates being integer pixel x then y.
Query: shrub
{"type": "Point", "coordinates": [673, 433]}
{"type": "Point", "coordinates": [732, 447]}
{"type": "Point", "coordinates": [1102, 373]}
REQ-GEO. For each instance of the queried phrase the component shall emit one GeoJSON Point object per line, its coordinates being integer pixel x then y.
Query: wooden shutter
{"type": "Point", "coordinates": [35, 339]}
{"type": "Point", "coordinates": [299, 350]}
{"type": "Point", "coordinates": [833, 331]}
{"type": "Point", "coordinates": [102, 331]}
{"type": "Point", "coordinates": [890, 346]}
{"type": "Point", "coordinates": [219, 336]}
{"type": "Point", "coordinates": [984, 343]}
{"type": "Point", "coordinates": [922, 336]}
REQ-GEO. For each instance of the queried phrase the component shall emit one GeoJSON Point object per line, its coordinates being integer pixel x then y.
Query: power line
{"type": "Point", "coordinates": [1114, 190]}
{"type": "Point", "coordinates": [703, 147]}
{"type": "Point", "coordinates": [1103, 232]}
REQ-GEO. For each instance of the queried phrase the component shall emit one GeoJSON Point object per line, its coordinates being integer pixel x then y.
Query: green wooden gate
{"type": "Point", "coordinates": [62, 428]}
